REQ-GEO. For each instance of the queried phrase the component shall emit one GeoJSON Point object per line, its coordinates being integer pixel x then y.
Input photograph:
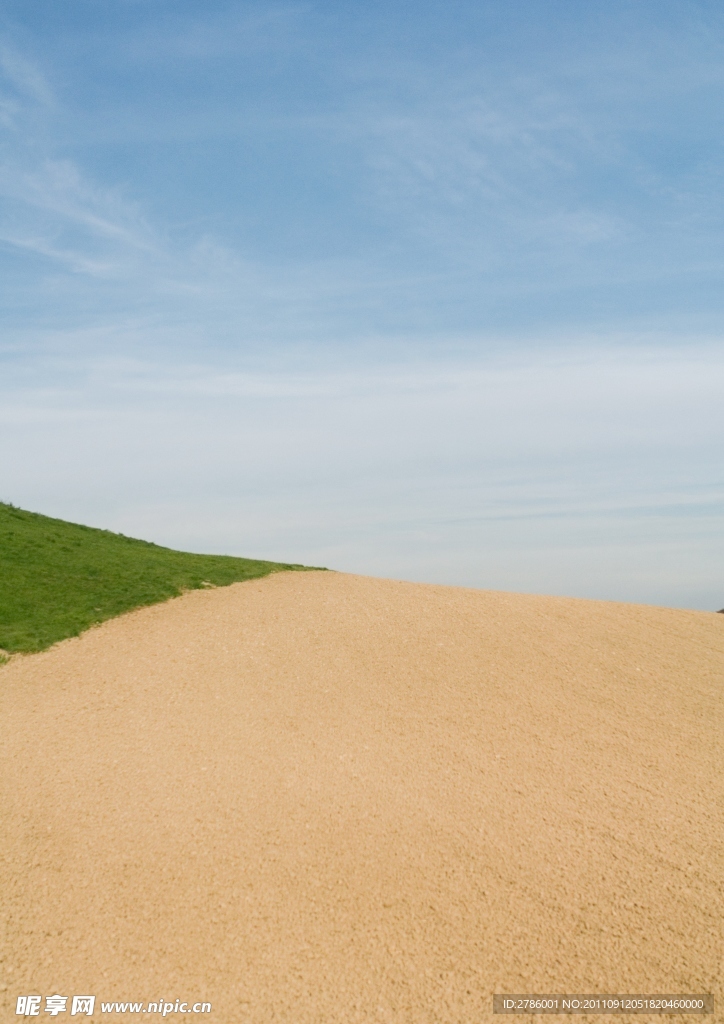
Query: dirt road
{"type": "Point", "coordinates": [322, 798]}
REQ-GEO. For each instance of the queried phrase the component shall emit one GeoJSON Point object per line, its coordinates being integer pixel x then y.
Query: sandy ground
{"type": "Point", "coordinates": [327, 798]}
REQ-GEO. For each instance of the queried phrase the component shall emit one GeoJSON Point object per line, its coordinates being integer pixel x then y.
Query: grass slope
{"type": "Point", "coordinates": [58, 578]}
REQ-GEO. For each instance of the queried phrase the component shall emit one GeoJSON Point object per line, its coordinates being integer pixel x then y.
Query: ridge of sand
{"type": "Point", "coordinates": [318, 797]}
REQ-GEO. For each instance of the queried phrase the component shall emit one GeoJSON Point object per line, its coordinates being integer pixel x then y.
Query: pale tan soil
{"type": "Point", "coordinates": [325, 798]}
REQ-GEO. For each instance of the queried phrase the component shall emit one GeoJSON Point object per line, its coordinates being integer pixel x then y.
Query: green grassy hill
{"type": "Point", "coordinates": [58, 578]}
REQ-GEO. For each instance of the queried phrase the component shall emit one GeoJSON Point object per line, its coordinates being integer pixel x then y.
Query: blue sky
{"type": "Point", "coordinates": [427, 290]}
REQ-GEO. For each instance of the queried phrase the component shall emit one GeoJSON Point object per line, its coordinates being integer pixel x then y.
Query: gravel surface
{"type": "Point", "coordinates": [320, 798]}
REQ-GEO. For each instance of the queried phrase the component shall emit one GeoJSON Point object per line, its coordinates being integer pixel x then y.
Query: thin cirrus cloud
{"type": "Point", "coordinates": [54, 196]}
{"type": "Point", "coordinates": [25, 78]}
{"type": "Point", "coordinates": [406, 297]}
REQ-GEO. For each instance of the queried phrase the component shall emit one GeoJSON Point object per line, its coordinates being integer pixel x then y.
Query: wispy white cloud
{"type": "Point", "coordinates": [478, 168]}
{"type": "Point", "coordinates": [58, 189]}
{"type": "Point", "coordinates": [24, 77]}
{"type": "Point", "coordinates": [48, 205]}
{"type": "Point", "coordinates": [75, 261]}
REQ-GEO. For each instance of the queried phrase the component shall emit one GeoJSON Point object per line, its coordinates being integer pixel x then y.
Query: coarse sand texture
{"type": "Point", "coordinates": [319, 798]}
